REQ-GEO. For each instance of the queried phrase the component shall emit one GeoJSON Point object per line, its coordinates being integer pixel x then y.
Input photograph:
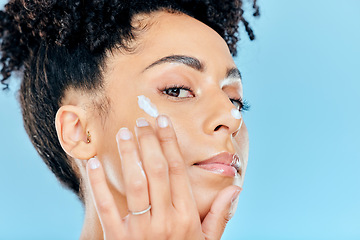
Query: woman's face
{"type": "Point", "coordinates": [200, 107]}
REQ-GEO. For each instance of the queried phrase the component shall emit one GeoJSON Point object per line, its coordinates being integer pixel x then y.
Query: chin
{"type": "Point", "coordinates": [205, 187]}
{"type": "Point", "coordinates": [204, 201]}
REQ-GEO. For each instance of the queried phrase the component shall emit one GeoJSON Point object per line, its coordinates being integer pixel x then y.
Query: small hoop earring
{"type": "Point", "coordinates": [88, 137]}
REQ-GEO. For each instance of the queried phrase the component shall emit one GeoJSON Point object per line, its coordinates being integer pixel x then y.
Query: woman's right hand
{"type": "Point", "coordinates": [160, 179]}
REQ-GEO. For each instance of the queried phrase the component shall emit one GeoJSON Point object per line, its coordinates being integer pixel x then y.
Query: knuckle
{"type": "Point", "coordinates": [185, 219]}
{"type": "Point", "coordinates": [189, 222]}
{"type": "Point", "coordinates": [127, 149]}
{"type": "Point", "coordinates": [146, 133]}
{"type": "Point", "coordinates": [176, 165]}
{"type": "Point", "coordinates": [193, 228]}
{"type": "Point", "coordinates": [104, 206]}
{"type": "Point", "coordinates": [96, 182]}
{"type": "Point", "coordinates": [160, 232]}
{"type": "Point", "coordinates": [137, 185]}
{"type": "Point", "coordinates": [224, 222]}
{"type": "Point", "coordinates": [167, 137]}
{"type": "Point", "coordinates": [159, 168]}
{"type": "Point", "coordinates": [226, 219]}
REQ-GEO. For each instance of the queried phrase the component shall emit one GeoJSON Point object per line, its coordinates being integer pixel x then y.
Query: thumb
{"type": "Point", "coordinates": [221, 211]}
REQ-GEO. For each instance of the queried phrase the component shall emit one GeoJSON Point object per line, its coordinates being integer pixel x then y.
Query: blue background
{"type": "Point", "coordinates": [301, 77]}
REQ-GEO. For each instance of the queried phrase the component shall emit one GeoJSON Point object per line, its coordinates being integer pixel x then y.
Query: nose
{"type": "Point", "coordinates": [219, 119]}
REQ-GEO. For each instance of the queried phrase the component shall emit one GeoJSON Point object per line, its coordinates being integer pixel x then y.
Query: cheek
{"type": "Point", "coordinates": [109, 156]}
{"type": "Point", "coordinates": [120, 115]}
{"type": "Point", "coordinates": [107, 150]}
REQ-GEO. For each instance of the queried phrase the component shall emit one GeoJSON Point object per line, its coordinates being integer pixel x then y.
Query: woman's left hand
{"type": "Point", "coordinates": [160, 179]}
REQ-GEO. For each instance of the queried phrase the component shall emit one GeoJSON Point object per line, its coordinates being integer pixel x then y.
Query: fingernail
{"type": "Point", "coordinates": [94, 163]}
{"type": "Point", "coordinates": [234, 203]}
{"type": "Point", "coordinates": [235, 195]}
{"type": "Point", "coordinates": [162, 121]}
{"type": "Point", "coordinates": [124, 134]}
{"type": "Point", "coordinates": [236, 113]}
{"type": "Point", "coordinates": [141, 122]}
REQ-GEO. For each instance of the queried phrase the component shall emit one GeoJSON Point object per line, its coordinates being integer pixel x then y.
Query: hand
{"type": "Point", "coordinates": [156, 175]}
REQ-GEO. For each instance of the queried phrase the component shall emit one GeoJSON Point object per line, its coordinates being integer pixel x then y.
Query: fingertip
{"type": "Point", "coordinates": [235, 195]}
{"type": "Point", "coordinates": [164, 127]}
{"type": "Point", "coordinates": [234, 204]}
{"type": "Point", "coordinates": [93, 163]}
{"type": "Point", "coordinates": [233, 201]}
{"type": "Point", "coordinates": [123, 134]}
{"type": "Point", "coordinates": [163, 121]}
{"type": "Point", "coordinates": [222, 210]}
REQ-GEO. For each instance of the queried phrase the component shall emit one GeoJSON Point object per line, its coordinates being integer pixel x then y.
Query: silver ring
{"type": "Point", "coordinates": [141, 212]}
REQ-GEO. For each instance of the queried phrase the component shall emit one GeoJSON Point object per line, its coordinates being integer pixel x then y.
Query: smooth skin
{"type": "Point", "coordinates": [174, 213]}
{"type": "Point", "coordinates": [188, 202]}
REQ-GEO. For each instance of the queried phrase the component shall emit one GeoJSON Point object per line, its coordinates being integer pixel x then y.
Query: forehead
{"type": "Point", "coordinates": [180, 32]}
{"type": "Point", "coordinates": [162, 34]}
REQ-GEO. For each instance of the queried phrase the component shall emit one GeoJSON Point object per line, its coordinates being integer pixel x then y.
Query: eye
{"type": "Point", "coordinates": [240, 104]}
{"type": "Point", "coordinates": [178, 92]}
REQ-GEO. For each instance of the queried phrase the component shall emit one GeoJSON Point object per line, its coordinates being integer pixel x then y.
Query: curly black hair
{"type": "Point", "coordinates": [61, 44]}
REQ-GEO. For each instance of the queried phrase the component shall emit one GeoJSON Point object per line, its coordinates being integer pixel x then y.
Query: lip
{"type": "Point", "coordinates": [224, 163]}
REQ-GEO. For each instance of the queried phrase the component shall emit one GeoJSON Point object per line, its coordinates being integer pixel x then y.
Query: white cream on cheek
{"type": "Point", "coordinates": [236, 113]}
{"type": "Point", "coordinates": [232, 81]}
{"type": "Point", "coordinates": [148, 107]}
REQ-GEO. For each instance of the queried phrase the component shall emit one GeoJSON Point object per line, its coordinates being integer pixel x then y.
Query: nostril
{"type": "Point", "coordinates": [234, 133]}
{"type": "Point", "coordinates": [220, 126]}
{"type": "Point", "coordinates": [217, 128]}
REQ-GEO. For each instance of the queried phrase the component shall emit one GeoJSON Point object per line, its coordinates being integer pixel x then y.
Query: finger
{"type": "Point", "coordinates": [104, 202]}
{"type": "Point", "coordinates": [135, 181]}
{"type": "Point", "coordinates": [181, 194]}
{"type": "Point", "coordinates": [221, 211]}
{"type": "Point", "coordinates": [156, 169]}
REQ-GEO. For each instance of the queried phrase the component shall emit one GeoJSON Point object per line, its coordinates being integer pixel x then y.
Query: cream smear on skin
{"type": "Point", "coordinates": [229, 81]}
{"type": "Point", "coordinates": [236, 113]}
{"type": "Point", "coordinates": [232, 81]}
{"type": "Point", "coordinates": [148, 107]}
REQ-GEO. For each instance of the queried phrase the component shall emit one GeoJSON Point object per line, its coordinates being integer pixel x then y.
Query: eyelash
{"type": "Point", "coordinates": [244, 105]}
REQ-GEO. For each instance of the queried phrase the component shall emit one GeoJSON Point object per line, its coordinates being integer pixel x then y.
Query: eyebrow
{"type": "Point", "coordinates": [193, 63]}
{"type": "Point", "coordinates": [233, 73]}
{"type": "Point", "coordinates": [233, 76]}
{"type": "Point", "coordinates": [186, 60]}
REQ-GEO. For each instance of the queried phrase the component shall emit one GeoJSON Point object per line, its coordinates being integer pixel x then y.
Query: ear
{"type": "Point", "coordinates": [70, 123]}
